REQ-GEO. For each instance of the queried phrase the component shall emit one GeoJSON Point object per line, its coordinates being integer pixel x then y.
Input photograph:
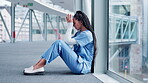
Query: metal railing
{"type": "Point", "coordinates": [122, 29]}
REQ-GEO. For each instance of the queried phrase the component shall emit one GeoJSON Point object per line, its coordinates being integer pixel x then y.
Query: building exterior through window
{"type": "Point", "coordinates": [128, 39]}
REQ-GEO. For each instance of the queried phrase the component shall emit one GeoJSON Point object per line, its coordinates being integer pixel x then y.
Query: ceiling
{"type": "Point", "coordinates": [66, 4]}
{"type": "Point", "coordinates": [37, 5]}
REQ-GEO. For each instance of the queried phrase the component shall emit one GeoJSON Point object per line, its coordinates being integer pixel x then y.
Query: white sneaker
{"type": "Point", "coordinates": [30, 71]}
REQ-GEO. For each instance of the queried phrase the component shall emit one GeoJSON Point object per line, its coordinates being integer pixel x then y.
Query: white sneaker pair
{"type": "Point", "coordinates": [30, 71]}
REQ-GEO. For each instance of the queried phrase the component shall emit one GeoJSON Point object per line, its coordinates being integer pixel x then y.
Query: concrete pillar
{"type": "Point", "coordinates": [87, 8]}
{"type": "Point", "coordinates": [78, 5]}
{"type": "Point", "coordinates": [101, 30]}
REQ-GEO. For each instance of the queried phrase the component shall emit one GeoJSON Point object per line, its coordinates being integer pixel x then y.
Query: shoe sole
{"type": "Point", "coordinates": [37, 73]}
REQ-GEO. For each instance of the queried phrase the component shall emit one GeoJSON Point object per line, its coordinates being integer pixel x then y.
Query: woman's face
{"type": "Point", "coordinates": [77, 24]}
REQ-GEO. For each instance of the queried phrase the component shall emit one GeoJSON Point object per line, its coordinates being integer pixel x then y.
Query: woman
{"type": "Point", "coordinates": [80, 59]}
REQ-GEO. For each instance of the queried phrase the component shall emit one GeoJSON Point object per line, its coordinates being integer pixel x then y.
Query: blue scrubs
{"type": "Point", "coordinates": [78, 60]}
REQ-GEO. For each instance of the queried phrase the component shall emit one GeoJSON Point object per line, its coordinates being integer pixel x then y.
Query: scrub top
{"type": "Point", "coordinates": [84, 49]}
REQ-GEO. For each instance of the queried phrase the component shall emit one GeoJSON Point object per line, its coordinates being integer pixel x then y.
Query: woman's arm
{"type": "Point", "coordinates": [67, 38]}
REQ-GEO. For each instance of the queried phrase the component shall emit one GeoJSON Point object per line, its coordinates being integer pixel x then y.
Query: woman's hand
{"type": "Point", "coordinates": [69, 18]}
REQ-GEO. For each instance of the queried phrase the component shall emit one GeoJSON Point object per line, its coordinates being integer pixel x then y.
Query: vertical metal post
{"type": "Point", "coordinates": [30, 25]}
{"type": "Point", "coordinates": [122, 23]}
{"type": "Point", "coordinates": [12, 23]}
{"type": "Point", "coordinates": [58, 26]}
{"type": "Point", "coordinates": [58, 22]}
{"type": "Point", "coordinates": [45, 26]}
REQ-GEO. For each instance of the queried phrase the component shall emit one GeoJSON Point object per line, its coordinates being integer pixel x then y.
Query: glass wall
{"type": "Point", "coordinates": [55, 24]}
{"type": "Point", "coordinates": [5, 19]}
{"type": "Point", "coordinates": [126, 47]}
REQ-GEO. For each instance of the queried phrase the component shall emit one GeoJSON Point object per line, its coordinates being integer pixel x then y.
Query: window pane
{"type": "Point", "coordinates": [128, 39]}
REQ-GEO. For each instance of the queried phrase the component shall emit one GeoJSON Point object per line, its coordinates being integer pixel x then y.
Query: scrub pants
{"type": "Point", "coordinates": [60, 48]}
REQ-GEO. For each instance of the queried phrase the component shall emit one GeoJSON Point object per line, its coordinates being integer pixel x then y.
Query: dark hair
{"type": "Point", "coordinates": [80, 16]}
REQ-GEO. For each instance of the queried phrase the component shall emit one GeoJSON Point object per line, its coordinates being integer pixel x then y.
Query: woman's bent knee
{"type": "Point", "coordinates": [59, 41]}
